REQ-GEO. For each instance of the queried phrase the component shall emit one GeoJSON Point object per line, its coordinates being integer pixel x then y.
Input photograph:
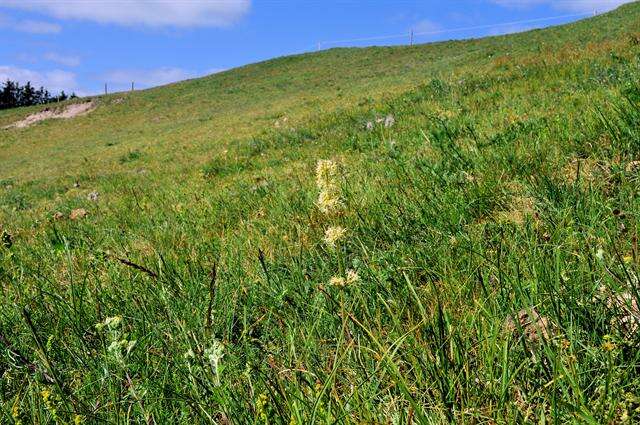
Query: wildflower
{"type": "Point", "coordinates": [261, 407]}
{"type": "Point", "coordinates": [389, 121]}
{"type": "Point", "coordinates": [110, 323]}
{"type": "Point", "coordinates": [214, 354]}
{"type": "Point", "coordinates": [600, 254]}
{"type": "Point", "coordinates": [608, 345]}
{"type": "Point", "coordinates": [333, 234]}
{"type": "Point", "coordinates": [352, 277]}
{"type": "Point", "coordinates": [628, 259]}
{"type": "Point", "coordinates": [48, 400]}
{"type": "Point", "coordinates": [329, 202]}
{"type": "Point", "coordinates": [93, 196]}
{"type": "Point", "coordinates": [117, 347]}
{"type": "Point", "coordinates": [369, 126]}
{"type": "Point", "coordinates": [337, 281]}
{"type": "Point", "coordinates": [189, 354]}
{"type": "Point", "coordinates": [326, 173]}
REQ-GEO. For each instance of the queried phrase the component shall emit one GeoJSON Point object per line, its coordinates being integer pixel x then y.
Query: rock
{"type": "Point", "coordinates": [626, 310]}
{"type": "Point", "coordinates": [530, 324]}
{"type": "Point", "coordinates": [78, 214]}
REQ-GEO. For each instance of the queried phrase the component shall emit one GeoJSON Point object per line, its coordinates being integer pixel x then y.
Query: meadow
{"type": "Point", "coordinates": [442, 233]}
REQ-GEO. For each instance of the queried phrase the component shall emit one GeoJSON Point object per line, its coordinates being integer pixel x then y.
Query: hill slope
{"type": "Point", "coordinates": [468, 253]}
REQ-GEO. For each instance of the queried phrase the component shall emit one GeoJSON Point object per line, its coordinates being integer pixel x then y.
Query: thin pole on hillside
{"type": "Point", "coordinates": [132, 89]}
{"type": "Point", "coordinates": [411, 38]}
{"type": "Point", "coordinates": [105, 88]}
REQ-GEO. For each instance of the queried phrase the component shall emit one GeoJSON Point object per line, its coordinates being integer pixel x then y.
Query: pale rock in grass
{"type": "Point", "coordinates": [77, 214]}
{"type": "Point", "coordinates": [626, 307]}
{"type": "Point", "coordinates": [93, 196]}
{"type": "Point", "coordinates": [530, 324]}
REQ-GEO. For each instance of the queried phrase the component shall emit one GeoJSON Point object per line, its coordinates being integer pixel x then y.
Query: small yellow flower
{"type": "Point", "coordinates": [334, 234]}
{"type": "Point", "coordinates": [608, 344]}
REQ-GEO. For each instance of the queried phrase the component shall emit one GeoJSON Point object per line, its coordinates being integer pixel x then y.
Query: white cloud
{"type": "Point", "coordinates": [143, 78]}
{"type": "Point", "coordinates": [121, 79]}
{"type": "Point", "coordinates": [55, 80]}
{"type": "Point", "coordinates": [578, 6]}
{"type": "Point", "coordinates": [65, 60]}
{"type": "Point", "coordinates": [155, 13]}
{"type": "Point", "coordinates": [509, 29]}
{"type": "Point", "coordinates": [37, 27]}
{"type": "Point", "coordinates": [29, 26]}
{"type": "Point", "coordinates": [426, 26]}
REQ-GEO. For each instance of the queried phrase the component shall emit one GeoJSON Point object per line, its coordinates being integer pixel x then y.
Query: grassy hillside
{"type": "Point", "coordinates": [427, 234]}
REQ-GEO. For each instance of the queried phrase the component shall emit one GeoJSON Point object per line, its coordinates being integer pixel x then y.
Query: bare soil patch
{"type": "Point", "coordinates": [69, 111]}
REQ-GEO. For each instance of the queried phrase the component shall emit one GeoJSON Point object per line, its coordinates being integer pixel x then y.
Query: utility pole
{"type": "Point", "coordinates": [105, 88]}
{"type": "Point", "coordinates": [411, 38]}
{"type": "Point", "coordinates": [132, 89]}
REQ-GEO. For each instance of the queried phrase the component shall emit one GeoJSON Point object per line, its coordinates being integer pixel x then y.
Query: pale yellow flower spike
{"type": "Point", "coordinates": [333, 235]}
{"type": "Point", "coordinates": [326, 173]}
{"type": "Point", "coordinates": [329, 197]}
{"type": "Point", "coordinates": [352, 277]}
{"type": "Point", "coordinates": [337, 281]}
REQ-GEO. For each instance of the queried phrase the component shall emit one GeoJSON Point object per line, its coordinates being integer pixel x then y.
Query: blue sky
{"type": "Point", "coordinates": [79, 45]}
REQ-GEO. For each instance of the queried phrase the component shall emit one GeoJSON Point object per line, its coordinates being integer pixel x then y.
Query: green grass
{"type": "Point", "coordinates": [507, 186]}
